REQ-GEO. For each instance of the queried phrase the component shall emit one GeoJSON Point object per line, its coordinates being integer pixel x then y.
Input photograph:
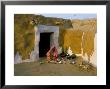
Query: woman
{"type": "Point", "coordinates": [52, 54]}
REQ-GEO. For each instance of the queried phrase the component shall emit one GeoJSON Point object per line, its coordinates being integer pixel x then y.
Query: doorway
{"type": "Point", "coordinates": [44, 44]}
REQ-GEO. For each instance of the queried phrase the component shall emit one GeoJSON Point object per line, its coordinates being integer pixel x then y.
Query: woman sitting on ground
{"type": "Point", "coordinates": [52, 54]}
{"type": "Point", "coordinates": [71, 56]}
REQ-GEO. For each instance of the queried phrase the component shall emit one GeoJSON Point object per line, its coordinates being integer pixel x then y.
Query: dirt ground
{"type": "Point", "coordinates": [42, 68]}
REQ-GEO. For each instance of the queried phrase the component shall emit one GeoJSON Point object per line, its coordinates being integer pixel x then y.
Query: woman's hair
{"type": "Point", "coordinates": [53, 49]}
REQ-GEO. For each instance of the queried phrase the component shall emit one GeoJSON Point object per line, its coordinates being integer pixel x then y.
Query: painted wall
{"type": "Point", "coordinates": [93, 57]}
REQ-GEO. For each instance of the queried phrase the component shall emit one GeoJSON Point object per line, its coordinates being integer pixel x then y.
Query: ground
{"type": "Point", "coordinates": [42, 68]}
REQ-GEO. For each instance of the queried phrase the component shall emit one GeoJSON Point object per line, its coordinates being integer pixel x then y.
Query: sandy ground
{"type": "Point", "coordinates": [52, 69]}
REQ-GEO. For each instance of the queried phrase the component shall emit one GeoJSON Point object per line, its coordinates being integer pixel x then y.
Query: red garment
{"type": "Point", "coordinates": [55, 54]}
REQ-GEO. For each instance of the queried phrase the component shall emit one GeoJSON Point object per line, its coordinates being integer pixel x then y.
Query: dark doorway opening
{"type": "Point", "coordinates": [44, 44]}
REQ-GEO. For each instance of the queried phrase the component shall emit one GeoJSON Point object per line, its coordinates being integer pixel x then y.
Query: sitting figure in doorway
{"type": "Point", "coordinates": [52, 54]}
